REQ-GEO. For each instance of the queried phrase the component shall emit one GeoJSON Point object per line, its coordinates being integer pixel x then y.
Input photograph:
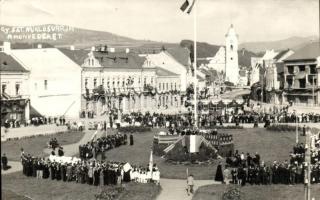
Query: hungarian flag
{"type": "Point", "coordinates": [187, 6]}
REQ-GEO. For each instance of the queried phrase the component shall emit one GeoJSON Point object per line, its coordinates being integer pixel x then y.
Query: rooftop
{"type": "Point", "coordinates": [119, 59]}
{"type": "Point", "coordinates": [9, 64]}
{"type": "Point", "coordinates": [180, 54]}
{"type": "Point", "coordinates": [309, 52]}
{"type": "Point", "coordinates": [163, 72]}
{"type": "Point", "coordinates": [78, 56]}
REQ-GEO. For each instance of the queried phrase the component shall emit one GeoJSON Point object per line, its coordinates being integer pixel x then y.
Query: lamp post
{"type": "Point", "coordinates": [307, 175]}
{"type": "Point", "coordinates": [313, 99]}
{"type": "Point", "coordinates": [297, 132]}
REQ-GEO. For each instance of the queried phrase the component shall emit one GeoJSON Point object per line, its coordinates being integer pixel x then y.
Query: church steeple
{"type": "Point", "coordinates": [232, 66]}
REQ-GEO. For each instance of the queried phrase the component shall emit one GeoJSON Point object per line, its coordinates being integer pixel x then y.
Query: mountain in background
{"type": "Point", "coordinates": [293, 43]}
{"type": "Point", "coordinates": [81, 38]}
{"type": "Point", "coordinates": [205, 50]}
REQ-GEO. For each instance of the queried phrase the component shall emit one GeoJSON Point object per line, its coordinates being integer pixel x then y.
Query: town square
{"type": "Point", "coordinates": [160, 100]}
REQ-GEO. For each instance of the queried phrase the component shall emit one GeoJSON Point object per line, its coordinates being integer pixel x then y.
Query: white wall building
{"type": "Point", "coordinates": [14, 86]}
{"type": "Point", "coordinates": [218, 62]}
{"type": "Point", "coordinates": [226, 58]}
{"type": "Point", "coordinates": [166, 61]}
{"type": "Point", "coordinates": [54, 85]}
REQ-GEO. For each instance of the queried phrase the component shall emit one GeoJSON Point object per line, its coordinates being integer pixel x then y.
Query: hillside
{"type": "Point", "coordinates": [293, 43]}
{"type": "Point", "coordinates": [205, 50]}
{"type": "Point", "coordinates": [61, 35]}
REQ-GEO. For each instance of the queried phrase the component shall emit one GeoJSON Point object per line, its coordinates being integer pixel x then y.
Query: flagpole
{"type": "Point", "coordinates": [195, 63]}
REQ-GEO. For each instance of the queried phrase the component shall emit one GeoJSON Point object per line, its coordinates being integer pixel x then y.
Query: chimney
{"type": "Point", "coordinates": [112, 50]}
{"type": "Point", "coordinates": [127, 50]}
{"type": "Point", "coordinates": [72, 48]}
{"type": "Point", "coordinates": [7, 47]}
{"type": "Point", "coordinates": [93, 48]}
{"type": "Point", "coordinates": [39, 46]}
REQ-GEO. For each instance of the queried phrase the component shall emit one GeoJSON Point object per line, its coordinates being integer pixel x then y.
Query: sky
{"type": "Point", "coordinates": [162, 20]}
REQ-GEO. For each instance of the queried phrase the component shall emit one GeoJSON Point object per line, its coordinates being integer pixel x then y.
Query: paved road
{"type": "Point", "coordinates": [73, 149]}
{"type": "Point", "coordinates": [175, 189]}
{"type": "Point", "coordinates": [31, 131]}
{"type": "Point", "coordinates": [15, 167]}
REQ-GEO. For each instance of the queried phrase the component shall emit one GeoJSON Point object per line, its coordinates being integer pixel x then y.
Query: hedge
{"type": "Point", "coordinates": [134, 129]}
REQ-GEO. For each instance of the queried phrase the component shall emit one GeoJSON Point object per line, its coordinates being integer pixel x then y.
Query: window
{"type": "Point", "coordinates": [45, 84]}
{"type": "Point", "coordinates": [145, 81]}
{"type": "Point", "coordinates": [151, 80]}
{"type": "Point", "coordinates": [167, 86]}
{"type": "Point", "coordinates": [86, 82]}
{"type": "Point", "coordinates": [3, 88]}
{"type": "Point", "coordinates": [171, 85]}
{"type": "Point", "coordinates": [302, 83]}
{"type": "Point", "coordinates": [94, 82]}
{"type": "Point", "coordinates": [302, 68]}
{"type": "Point", "coordinates": [313, 69]}
{"type": "Point", "coordinates": [159, 86]}
{"type": "Point", "coordinates": [231, 47]}
{"type": "Point", "coordinates": [175, 86]}
{"type": "Point", "coordinates": [17, 88]}
{"type": "Point", "coordinates": [102, 81]}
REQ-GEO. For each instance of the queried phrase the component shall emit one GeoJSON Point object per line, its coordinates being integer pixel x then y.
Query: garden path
{"type": "Point", "coordinates": [175, 189]}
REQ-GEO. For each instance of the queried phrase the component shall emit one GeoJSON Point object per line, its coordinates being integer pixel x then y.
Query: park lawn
{"type": "Point", "coordinates": [270, 145]}
{"type": "Point", "coordinates": [37, 144]}
{"type": "Point", "coordinates": [257, 192]}
{"type": "Point", "coordinates": [39, 189]}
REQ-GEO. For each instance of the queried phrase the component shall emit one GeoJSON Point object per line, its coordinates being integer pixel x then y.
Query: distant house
{"type": "Point", "coordinates": [301, 76]}
{"type": "Point", "coordinates": [14, 89]}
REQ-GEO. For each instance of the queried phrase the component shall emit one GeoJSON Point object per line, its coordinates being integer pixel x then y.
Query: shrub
{"type": "Point", "coordinates": [224, 127]}
{"type": "Point", "coordinates": [233, 194]}
{"type": "Point", "coordinates": [135, 129]}
{"type": "Point", "coordinates": [282, 127]}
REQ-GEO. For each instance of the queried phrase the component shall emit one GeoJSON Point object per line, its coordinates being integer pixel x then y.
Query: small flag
{"type": "Point", "coordinates": [190, 8]}
{"type": "Point", "coordinates": [184, 6]}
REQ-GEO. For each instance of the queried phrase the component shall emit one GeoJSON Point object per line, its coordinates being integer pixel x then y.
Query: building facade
{"type": "Point", "coordinates": [53, 81]}
{"type": "Point", "coordinates": [14, 85]}
{"type": "Point", "coordinates": [301, 76]}
{"type": "Point", "coordinates": [124, 81]}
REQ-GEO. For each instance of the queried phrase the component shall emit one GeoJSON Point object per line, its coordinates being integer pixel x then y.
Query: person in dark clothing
{"type": "Point", "coordinates": [4, 162]}
{"type": "Point", "coordinates": [131, 139]}
{"type": "Point", "coordinates": [219, 174]}
{"type": "Point", "coordinates": [60, 152]}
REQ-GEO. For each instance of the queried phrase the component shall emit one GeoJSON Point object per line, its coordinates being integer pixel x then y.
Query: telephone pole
{"type": "Point", "coordinates": [307, 174]}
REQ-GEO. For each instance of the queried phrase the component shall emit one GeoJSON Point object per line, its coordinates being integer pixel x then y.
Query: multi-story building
{"type": "Point", "coordinates": [301, 76]}
{"type": "Point", "coordinates": [128, 82]}
{"type": "Point", "coordinates": [54, 79]}
{"type": "Point", "coordinates": [14, 88]}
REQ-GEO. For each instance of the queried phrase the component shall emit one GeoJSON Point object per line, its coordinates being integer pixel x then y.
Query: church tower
{"type": "Point", "coordinates": [232, 65]}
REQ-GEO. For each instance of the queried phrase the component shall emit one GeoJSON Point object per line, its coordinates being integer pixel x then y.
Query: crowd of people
{"type": "Point", "coordinates": [92, 172]}
{"type": "Point", "coordinates": [103, 144]}
{"type": "Point", "coordinates": [35, 121]}
{"type": "Point", "coordinates": [242, 169]}
{"type": "Point", "coordinates": [207, 120]}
